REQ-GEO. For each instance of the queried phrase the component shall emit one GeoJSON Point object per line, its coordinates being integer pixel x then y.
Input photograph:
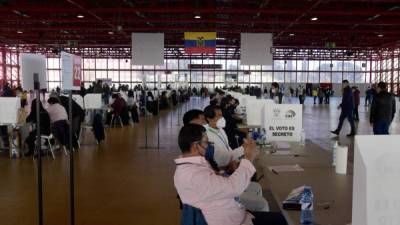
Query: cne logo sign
{"type": "Point", "coordinates": [290, 114]}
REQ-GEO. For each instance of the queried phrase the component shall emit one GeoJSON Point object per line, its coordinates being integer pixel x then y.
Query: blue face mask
{"type": "Point", "coordinates": [209, 152]}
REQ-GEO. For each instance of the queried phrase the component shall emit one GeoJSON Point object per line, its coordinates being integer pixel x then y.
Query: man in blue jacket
{"type": "Point", "coordinates": [347, 107]}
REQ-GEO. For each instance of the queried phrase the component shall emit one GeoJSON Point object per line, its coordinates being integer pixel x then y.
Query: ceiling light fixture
{"type": "Point", "coordinates": [19, 32]}
{"type": "Point", "coordinates": [197, 17]}
{"type": "Point", "coordinates": [80, 16]}
{"type": "Point", "coordinates": [380, 35]}
{"type": "Point", "coordinates": [314, 18]}
{"type": "Point", "coordinates": [291, 34]}
{"type": "Point", "coordinates": [110, 32]}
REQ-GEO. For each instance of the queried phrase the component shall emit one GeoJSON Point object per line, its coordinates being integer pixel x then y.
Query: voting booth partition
{"type": "Point", "coordinates": [9, 110]}
{"type": "Point", "coordinates": [376, 181]}
{"type": "Point", "coordinates": [254, 108]}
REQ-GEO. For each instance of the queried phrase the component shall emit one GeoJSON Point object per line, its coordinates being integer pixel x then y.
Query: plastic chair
{"type": "Point", "coordinates": [116, 118]}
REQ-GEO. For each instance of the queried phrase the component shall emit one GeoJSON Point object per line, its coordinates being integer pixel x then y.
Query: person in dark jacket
{"type": "Point", "coordinates": [356, 95]}
{"type": "Point", "coordinates": [44, 125]}
{"type": "Point", "coordinates": [347, 107]}
{"type": "Point", "coordinates": [383, 109]}
{"type": "Point", "coordinates": [78, 114]}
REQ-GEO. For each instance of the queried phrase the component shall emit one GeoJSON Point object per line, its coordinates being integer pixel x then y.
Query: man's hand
{"type": "Point", "coordinates": [250, 149]}
{"type": "Point", "coordinates": [232, 166]}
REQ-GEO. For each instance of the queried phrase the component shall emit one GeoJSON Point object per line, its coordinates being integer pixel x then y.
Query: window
{"type": "Point", "coordinates": [101, 63]}
{"type": "Point", "coordinates": [313, 77]}
{"type": "Point", "coordinates": [279, 77]}
{"type": "Point", "coordinates": [325, 77]}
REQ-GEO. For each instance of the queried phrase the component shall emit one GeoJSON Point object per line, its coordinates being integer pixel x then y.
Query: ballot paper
{"type": "Point", "coordinates": [280, 152]}
{"type": "Point", "coordinates": [286, 168]}
{"type": "Point", "coordinates": [280, 145]}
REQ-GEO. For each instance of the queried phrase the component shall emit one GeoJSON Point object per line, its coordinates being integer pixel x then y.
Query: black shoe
{"type": "Point", "coordinates": [351, 134]}
{"type": "Point", "coordinates": [335, 132]}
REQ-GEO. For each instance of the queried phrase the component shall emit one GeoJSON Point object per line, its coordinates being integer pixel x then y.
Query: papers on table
{"type": "Point", "coordinates": [280, 145]}
{"type": "Point", "coordinates": [285, 168]}
{"type": "Point", "coordinates": [280, 152]}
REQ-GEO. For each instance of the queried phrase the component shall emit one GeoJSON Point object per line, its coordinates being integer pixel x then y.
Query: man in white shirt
{"type": "Point", "coordinates": [216, 134]}
{"type": "Point", "coordinates": [199, 186]}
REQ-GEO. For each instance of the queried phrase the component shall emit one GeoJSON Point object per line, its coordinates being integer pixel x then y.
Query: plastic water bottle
{"type": "Point", "coordinates": [307, 206]}
{"type": "Point", "coordinates": [335, 145]}
{"type": "Point", "coordinates": [302, 138]}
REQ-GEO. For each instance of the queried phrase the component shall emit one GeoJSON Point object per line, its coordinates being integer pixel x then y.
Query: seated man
{"type": "Point", "coordinates": [252, 198]}
{"type": "Point", "coordinates": [199, 186]}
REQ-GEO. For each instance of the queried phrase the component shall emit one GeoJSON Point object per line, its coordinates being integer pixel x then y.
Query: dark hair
{"type": "Point", "coordinates": [53, 100]}
{"type": "Point", "coordinates": [275, 85]}
{"type": "Point", "coordinates": [114, 96]}
{"type": "Point", "coordinates": [190, 115]}
{"type": "Point", "coordinates": [382, 85]}
{"type": "Point", "coordinates": [130, 93]}
{"type": "Point", "coordinates": [33, 106]}
{"type": "Point", "coordinates": [209, 111]}
{"type": "Point", "coordinates": [188, 135]}
{"type": "Point", "coordinates": [345, 81]}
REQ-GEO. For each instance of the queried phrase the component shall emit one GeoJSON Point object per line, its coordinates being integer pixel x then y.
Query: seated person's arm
{"type": "Point", "coordinates": [218, 187]}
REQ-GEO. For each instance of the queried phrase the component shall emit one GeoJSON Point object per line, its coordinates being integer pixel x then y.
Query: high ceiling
{"type": "Point", "coordinates": [99, 23]}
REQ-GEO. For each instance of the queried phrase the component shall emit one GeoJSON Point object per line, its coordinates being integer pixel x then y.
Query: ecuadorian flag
{"type": "Point", "coordinates": [200, 42]}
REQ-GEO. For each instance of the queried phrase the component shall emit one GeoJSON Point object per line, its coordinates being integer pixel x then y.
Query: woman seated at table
{"type": "Point", "coordinates": [59, 121]}
{"type": "Point", "coordinates": [44, 125]}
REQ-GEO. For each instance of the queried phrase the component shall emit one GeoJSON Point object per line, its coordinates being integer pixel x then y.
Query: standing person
{"type": "Point", "coordinates": [368, 96]}
{"type": "Point", "coordinates": [302, 93]}
{"type": "Point", "coordinates": [314, 94]}
{"type": "Point", "coordinates": [328, 94]}
{"type": "Point", "coordinates": [383, 109]}
{"type": "Point", "coordinates": [347, 107]}
{"type": "Point", "coordinates": [275, 92]}
{"type": "Point", "coordinates": [356, 95]}
{"type": "Point", "coordinates": [320, 95]}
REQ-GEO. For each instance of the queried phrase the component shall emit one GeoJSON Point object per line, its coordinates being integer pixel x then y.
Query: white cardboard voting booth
{"type": "Point", "coordinates": [283, 122]}
{"type": "Point", "coordinates": [9, 110]}
{"type": "Point", "coordinates": [254, 111]}
{"type": "Point", "coordinates": [376, 181]}
{"type": "Point", "coordinates": [93, 101]}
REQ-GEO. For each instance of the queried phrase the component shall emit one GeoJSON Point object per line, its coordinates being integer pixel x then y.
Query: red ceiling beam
{"type": "Point", "coordinates": [237, 21]}
{"type": "Point", "coordinates": [190, 10]}
{"type": "Point", "coordinates": [181, 29]}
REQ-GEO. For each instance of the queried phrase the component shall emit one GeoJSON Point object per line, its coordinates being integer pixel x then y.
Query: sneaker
{"type": "Point", "coordinates": [351, 134]}
{"type": "Point", "coordinates": [335, 132]}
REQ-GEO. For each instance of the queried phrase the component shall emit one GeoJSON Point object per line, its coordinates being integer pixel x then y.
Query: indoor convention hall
{"type": "Point", "coordinates": [190, 112]}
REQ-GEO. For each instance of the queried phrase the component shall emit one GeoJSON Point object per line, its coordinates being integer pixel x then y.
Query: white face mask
{"type": "Point", "coordinates": [221, 123]}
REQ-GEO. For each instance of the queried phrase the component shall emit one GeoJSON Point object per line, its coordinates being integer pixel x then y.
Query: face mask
{"type": "Point", "coordinates": [209, 152]}
{"type": "Point", "coordinates": [221, 123]}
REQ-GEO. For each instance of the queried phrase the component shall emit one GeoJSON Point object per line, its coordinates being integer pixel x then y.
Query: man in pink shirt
{"type": "Point", "coordinates": [200, 187]}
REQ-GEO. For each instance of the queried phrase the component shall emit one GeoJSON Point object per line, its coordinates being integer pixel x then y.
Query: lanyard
{"type": "Point", "coordinates": [220, 137]}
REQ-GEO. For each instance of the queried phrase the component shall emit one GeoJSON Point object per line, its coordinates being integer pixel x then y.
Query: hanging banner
{"type": "Point", "coordinates": [147, 49]}
{"type": "Point", "coordinates": [283, 122]}
{"type": "Point", "coordinates": [70, 71]}
{"type": "Point", "coordinates": [33, 64]}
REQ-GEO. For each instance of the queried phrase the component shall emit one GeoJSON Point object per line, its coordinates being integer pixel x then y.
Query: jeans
{"type": "Point", "coordinates": [349, 116]}
{"type": "Point", "coordinates": [381, 127]}
{"type": "Point", "coordinates": [356, 117]}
